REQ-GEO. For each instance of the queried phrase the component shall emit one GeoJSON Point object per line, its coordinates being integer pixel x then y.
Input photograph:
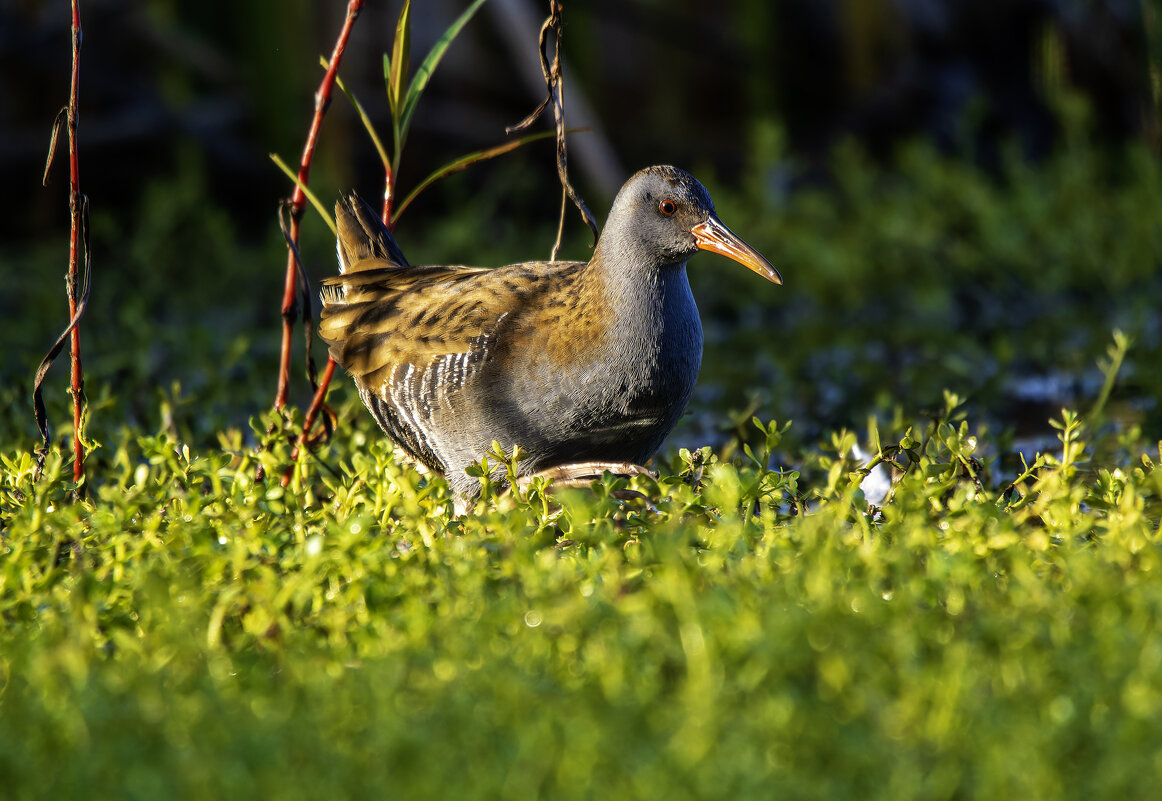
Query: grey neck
{"type": "Point", "coordinates": [657, 318]}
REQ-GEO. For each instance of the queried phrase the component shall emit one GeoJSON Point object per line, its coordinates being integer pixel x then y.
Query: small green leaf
{"type": "Point", "coordinates": [907, 442]}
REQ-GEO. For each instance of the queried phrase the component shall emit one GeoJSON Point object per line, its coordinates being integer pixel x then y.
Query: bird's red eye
{"type": "Point", "coordinates": [667, 207]}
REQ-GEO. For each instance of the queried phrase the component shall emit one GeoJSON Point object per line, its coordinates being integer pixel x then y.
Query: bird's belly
{"type": "Point", "coordinates": [617, 407]}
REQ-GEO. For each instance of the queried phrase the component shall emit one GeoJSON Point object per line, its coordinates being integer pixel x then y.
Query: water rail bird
{"type": "Point", "coordinates": [573, 361]}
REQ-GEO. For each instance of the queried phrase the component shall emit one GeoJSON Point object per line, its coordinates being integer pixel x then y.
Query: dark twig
{"type": "Point", "coordinates": [317, 403]}
{"type": "Point", "coordinates": [304, 301]}
{"type": "Point", "coordinates": [554, 83]}
{"type": "Point", "coordinates": [37, 386]}
{"type": "Point", "coordinates": [77, 219]}
{"type": "Point", "coordinates": [298, 202]}
{"type": "Point", "coordinates": [298, 199]}
{"type": "Point", "coordinates": [78, 301]}
{"type": "Point", "coordinates": [317, 406]}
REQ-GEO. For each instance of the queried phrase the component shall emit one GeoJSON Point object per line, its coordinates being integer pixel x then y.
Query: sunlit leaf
{"type": "Point", "coordinates": [464, 162]}
{"type": "Point", "coordinates": [397, 66]}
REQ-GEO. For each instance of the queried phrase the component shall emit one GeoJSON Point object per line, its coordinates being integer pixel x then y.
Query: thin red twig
{"type": "Point", "coordinates": [309, 421]}
{"type": "Point", "coordinates": [388, 198]}
{"type": "Point", "coordinates": [299, 199]}
{"type": "Point", "coordinates": [329, 370]}
{"type": "Point", "coordinates": [77, 385]}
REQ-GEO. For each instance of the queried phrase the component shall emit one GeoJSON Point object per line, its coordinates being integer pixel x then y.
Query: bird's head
{"type": "Point", "coordinates": [666, 214]}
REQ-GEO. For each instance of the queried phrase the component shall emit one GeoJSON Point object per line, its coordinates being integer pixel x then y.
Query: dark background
{"type": "Point", "coordinates": [222, 84]}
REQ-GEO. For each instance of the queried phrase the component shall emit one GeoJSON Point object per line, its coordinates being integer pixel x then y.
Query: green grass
{"type": "Point", "coordinates": [188, 633]}
{"type": "Point", "coordinates": [746, 627]}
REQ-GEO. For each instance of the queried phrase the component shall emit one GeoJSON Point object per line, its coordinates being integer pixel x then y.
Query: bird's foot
{"type": "Point", "coordinates": [582, 474]}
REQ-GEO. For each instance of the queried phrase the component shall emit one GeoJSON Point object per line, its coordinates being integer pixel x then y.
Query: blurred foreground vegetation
{"type": "Point", "coordinates": [750, 628]}
{"type": "Point", "coordinates": [751, 633]}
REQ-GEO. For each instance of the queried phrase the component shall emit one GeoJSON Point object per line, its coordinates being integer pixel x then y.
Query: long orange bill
{"type": "Point", "coordinates": [712, 235]}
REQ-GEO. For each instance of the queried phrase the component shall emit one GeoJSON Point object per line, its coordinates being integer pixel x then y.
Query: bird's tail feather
{"type": "Point", "coordinates": [363, 241]}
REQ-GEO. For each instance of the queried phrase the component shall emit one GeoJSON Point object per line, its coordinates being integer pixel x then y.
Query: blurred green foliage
{"type": "Point", "coordinates": [928, 274]}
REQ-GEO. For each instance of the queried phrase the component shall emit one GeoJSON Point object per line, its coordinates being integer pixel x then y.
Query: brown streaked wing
{"type": "Point", "coordinates": [382, 317]}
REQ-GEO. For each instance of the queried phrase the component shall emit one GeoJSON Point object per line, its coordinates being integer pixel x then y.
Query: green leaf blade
{"type": "Point", "coordinates": [397, 65]}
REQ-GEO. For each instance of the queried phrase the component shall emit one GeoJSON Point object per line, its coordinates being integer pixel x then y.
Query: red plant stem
{"type": "Point", "coordinates": [329, 370]}
{"type": "Point", "coordinates": [299, 199]}
{"type": "Point", "coordinates": [71, 284]}
{"type": "Point", "coordinates": [388, 198]}
{"type": "Point", "coordinates": [309, 420]}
